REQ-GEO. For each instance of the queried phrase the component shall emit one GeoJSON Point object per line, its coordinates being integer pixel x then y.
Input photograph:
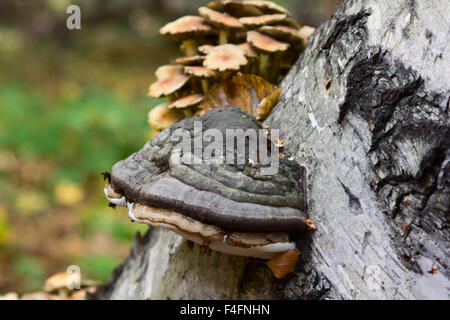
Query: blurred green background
{"type": "Point", "coordinates": [72, 103]}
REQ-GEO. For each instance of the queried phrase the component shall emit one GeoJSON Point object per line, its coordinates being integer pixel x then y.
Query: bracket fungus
{"type": "Point", "coordinates": [229, 206]}
{"type": "Point", "coordinates": [235, 53]}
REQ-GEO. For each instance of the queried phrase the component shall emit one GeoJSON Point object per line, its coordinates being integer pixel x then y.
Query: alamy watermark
{"type": "Point", "coordinates": [231, 148]}
{"type": "Point", "coordinates": [73, 282]}
{"type": "Point", "coordinates": [73, 21]}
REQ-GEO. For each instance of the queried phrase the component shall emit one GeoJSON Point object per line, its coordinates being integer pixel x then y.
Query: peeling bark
{"type": "Point", "coordinates": [366, 111]}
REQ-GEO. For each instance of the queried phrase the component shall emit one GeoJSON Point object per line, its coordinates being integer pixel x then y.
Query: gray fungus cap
{"type": "Point", "coordinates": [235, 197]}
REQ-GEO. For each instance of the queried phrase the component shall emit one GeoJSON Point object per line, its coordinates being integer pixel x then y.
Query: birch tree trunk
{"type": "Point", "coordinates": [365, 109]}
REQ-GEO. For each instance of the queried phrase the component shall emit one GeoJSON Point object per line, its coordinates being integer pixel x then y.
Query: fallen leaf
{"type": "Point", "coordinates": [246, 91]}
{"type": "Point", "coordinates": [332, 244]}
{"type": "Point", "coordinates": [68, 193]}
{"type": "Point", "coordinates": [284, 263]}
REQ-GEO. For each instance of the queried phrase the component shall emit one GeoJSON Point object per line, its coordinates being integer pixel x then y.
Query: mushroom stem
{"type": "Point", "coordinates": [225, 75]}
{"type": "Point", "coordinates": [263, 62]}
{"type": "Point", "coordinates": [188, 112]}
{"type": "Point", "coordinates": [274, 72]}
{"type": "Point", "coordinates": [191, 47]}
{"type": "Point", "coordinates": [205, 86]}
{"type": "Point", "coordinates": [223, 37]}
{"type": "Point", "coordinates": [172, 97]}
{"type": "Point", "coordinates": [254, 66]}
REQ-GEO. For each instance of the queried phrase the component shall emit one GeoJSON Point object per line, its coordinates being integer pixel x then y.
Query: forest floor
{"type": "Point", "coordinates": [68, 111]}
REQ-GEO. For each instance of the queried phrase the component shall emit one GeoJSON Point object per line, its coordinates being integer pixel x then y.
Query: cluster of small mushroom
{"type": "Point", "coordinates": [250, 36]}
{"type": "Point", "coordinates": [60, 286]}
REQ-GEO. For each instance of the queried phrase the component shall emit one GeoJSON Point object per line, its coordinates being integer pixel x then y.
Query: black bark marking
{"type": "Point", "coordinates": [353, 201]}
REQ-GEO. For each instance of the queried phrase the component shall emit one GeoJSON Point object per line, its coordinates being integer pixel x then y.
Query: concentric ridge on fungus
{"type": "Point", "coordinates": [233, 197]}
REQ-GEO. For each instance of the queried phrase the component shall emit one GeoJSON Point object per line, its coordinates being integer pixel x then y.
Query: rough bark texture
{"type": "Point", "coordinates": [365, 110]}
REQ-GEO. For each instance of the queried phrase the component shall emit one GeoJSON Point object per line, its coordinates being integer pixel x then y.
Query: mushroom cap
{"type": "Point", "coordinates": [234, 8]}
{"type": "Point", "coordinates": [291, 23]}
{"type": "Point", "coordinates": [266, 6]}
{"type": "Point", "coordinates": [252, 22]}
{"type": "Point", "coordinates": [187, 101]}
{"type": "Point", "coordinates": [200, 72]}
{"type": "Point", "coordinates": [225, 57]}
{"type": "Point", "coordinates": [249, 51]}
{"type": "Point", "coordinates": [206, 48]}
{"type": "Point", "coordinates": [60, 281]}
{"type": "Point", "coordinates": [305, 32]}
{"type": "Point", "coordinates": [168, 70]}
{"type": "Point", "coordinates": [160, 118]}
{"type": "Point", "coordinates": [265, 43]}
{"type": "Point", "coordinates": [190, 60]}
{"type": "Point", "coordinates": [187, 27]}
{"type": "Point", "coordinates": [236, 198]}
{"type": "Point", "coordinates": [283, 33]}
{"type": "Point", "coordinates": [220, 20]}
{"type": "Point", "coordinates": [167, 86]}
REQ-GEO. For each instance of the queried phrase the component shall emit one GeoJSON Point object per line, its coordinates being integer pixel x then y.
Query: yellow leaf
{"type": "Point", "coordinates": [246, 91]}
{"type": "Point", "coordinates": [284, 263]}
{"type": "Point", "coordinates": [67, 193]}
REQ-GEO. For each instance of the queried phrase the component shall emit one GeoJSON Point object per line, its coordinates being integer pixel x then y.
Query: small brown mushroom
{"type": "Point", "coordinates": [191, 60]}
{"type": "Point", "coordinates": [249, 51]}
{"type": "Point", "coordinates": [186, 29]}
{"type": "Point", "coordinates": [268, 19]}
{"type": "Point", "coordinates": [206, 48]}
{"type": "Point", "coordinates": [267, 46]}
{"type": "Point", "coordinates": [252, 56]}
{"type": "Point", "coordinates": [291, 23]}
{"type": "Point", "coordinates": [266, 43]}
{"type": "Point", "coordinates": [167, 71]}
{"type": "Point", "coordinates": [225, 57]}
{"type": "Point", "coordinates": [168, 86]}
{"type": "Point", "coordinates": [305, 32]}
{"type": "Point", "coordinates": [65, 283]}
{"type": "Point", "coordinates": [186, 103]}
{"type": "Point", "coordinates": [235, 8]}
{"type": "Point", "coordinates": [266, 6]}
{"type": "Point", "coordinates": [160, 118]}
{"type": "Point", "coordinates": [9, 296]}
{"type": "Point", "coordinates": [283, 33]}
{"type": "Point", "coordinates": [61, 282]}
{"type": "Point", "coordinates": [199, 71]}
{"type": "Point", "coordinates": [202, 73]}
{"type": "Point", "coordinates": [222, 21]}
